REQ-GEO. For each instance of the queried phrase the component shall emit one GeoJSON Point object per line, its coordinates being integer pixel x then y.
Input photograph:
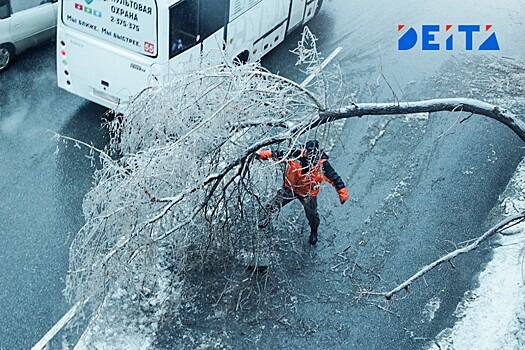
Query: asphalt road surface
{"type": "Point", "coordinates": [42, 194]}
{"type": "Point", "coordinates": [417, 185]}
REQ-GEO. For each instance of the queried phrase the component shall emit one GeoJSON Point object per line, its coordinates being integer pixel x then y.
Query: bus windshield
{"type": "Point", "coordinates": [126, 23]}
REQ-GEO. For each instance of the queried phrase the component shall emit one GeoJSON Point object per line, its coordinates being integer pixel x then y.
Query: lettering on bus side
{"type": "Point", "coordinates": [134, 5]}
{"type": "Point", "coordinates": [125, 13]}
{"type": "Point", "coordinates": [137, 67]}
{"type": "Point", "coordinates": [88, 25]}
{"type": "Point", "coordinates": [126, 39]}
{"type": "Point", "coordinates": [71, 19]}
{"type": "Point", "coordinates": [127, 23]}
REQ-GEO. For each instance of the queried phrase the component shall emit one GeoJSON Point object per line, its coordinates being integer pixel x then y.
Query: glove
{"type": "Point", "coordinates": [343, 195]}
{"type": "Point", "coordinates": [265, 154]}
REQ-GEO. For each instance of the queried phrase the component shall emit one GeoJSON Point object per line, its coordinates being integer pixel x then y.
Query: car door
{"type": "Point", "coordinates": [54, 6]}
{"type": "Point", "coordinates": [31, 22]}
{"type": "Point", "coordinates": [5, 21]}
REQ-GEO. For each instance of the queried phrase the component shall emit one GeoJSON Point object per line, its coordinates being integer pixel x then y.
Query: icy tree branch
{"type": "Point", "coordinates": [437, 105]}
{"type": "Point", "coordinates": [505, 224]}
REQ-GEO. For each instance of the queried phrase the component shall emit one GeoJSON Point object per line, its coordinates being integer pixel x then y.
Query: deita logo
{"type": "Point", "coordinates": [432, 37]}
{"type": "Point", "coordinates": [89, 2]}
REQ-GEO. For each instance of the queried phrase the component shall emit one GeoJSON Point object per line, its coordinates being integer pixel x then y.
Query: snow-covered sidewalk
{"type": "Point", "coordinates": [493, 315]}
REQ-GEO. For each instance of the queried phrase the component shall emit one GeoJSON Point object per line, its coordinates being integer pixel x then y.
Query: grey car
{"type": "Point", "coordinates": [23, 24]}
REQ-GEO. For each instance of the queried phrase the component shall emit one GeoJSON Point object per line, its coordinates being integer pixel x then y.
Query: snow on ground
{"type": "Point", "coordinates": [493, 315]}
{"type": "Point", "coordinates": [489, 317]}
{"type": "Point", "coordinates": [127, 322]}
{"type": "Point", "coordinates": [117, 326]}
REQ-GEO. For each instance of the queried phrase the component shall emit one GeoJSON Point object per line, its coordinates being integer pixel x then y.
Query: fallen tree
{"type": "Point", "coordinates": [178, 185]}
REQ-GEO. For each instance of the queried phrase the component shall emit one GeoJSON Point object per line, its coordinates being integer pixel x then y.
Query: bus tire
{"type": "Point", "coordinates": [318, 8]}
{"type": "Point", "coordinates": [242, 58]}
{"type": "Point", "coordinates": [7, 55]}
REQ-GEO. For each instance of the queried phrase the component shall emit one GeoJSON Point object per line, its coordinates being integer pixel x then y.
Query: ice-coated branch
{"type": "Point", "coordinates": [359, 110]}
{"type": "Point", "coordinates": [504, 224]}
{"type": "Point", "coordinates": [436, 105]}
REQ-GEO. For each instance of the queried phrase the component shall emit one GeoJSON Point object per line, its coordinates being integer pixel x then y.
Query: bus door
{"type": "Point", "coordinates": [196, 26]}
{"type": "Point", "coordinates": [184, 38]}
{"type": "Point", "coordinates": [296, 14]}
{"type": "Point", "coordinates": [256, 27]}
{"type": "Point", "coordinates": [213, 20]}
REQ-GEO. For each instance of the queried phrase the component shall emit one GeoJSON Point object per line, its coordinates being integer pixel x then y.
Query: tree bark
{"type": "Point", "coordinates": [449, 104]}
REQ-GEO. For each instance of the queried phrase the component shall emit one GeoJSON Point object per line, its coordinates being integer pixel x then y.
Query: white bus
{"type": "Point", "coordinates": [110, 50]}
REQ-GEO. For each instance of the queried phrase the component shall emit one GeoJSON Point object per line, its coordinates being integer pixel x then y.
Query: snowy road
{"type": "Point", "coordinates": [418, 185]}
{"type": "Point", "coordinates": [42, 194]}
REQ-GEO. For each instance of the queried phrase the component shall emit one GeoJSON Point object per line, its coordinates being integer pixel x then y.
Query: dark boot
{"type": "Point", "coordinates": [313, 237]}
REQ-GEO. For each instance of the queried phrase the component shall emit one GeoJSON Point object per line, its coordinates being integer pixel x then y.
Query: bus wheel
{"type": "Point", "coordinates": [242, 58]}
{"type": "Point", "coordinates": [7, 53]}
{"type": "Point", "coordinates": [318, 8]}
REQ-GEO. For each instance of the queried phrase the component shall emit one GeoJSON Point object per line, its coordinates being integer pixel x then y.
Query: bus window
{"type": "Point", "coordinates": [184, 26]}
{"type": "Point", "coordinates": [212, 16]}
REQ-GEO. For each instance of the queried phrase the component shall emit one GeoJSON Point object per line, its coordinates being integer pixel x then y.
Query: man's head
{"type": "Point", "coordinates": [313, 153]}
{"type": "Point", "coordinates": [312, 145]}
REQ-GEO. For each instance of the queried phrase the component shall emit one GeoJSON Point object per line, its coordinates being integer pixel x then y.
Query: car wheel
{"type": "Point", "coordinates": [6, 56]}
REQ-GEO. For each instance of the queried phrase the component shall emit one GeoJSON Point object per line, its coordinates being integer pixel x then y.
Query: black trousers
{"type": "Point", "coordinates": [285, 196]}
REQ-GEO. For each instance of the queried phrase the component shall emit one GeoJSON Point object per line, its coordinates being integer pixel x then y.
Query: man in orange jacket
{"type": "Point", "coordinates": [306, 168]}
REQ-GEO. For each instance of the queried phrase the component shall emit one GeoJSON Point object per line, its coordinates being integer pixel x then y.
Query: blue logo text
{"type": "Point", "coordinates": [472, 33]}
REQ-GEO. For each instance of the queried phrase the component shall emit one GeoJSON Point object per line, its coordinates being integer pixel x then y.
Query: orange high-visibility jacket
{"type": "Point", "coordinates": [304, 179]}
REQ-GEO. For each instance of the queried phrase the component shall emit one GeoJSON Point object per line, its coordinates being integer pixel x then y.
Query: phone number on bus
{"type": "Point", "coordinates": [125, 24]}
